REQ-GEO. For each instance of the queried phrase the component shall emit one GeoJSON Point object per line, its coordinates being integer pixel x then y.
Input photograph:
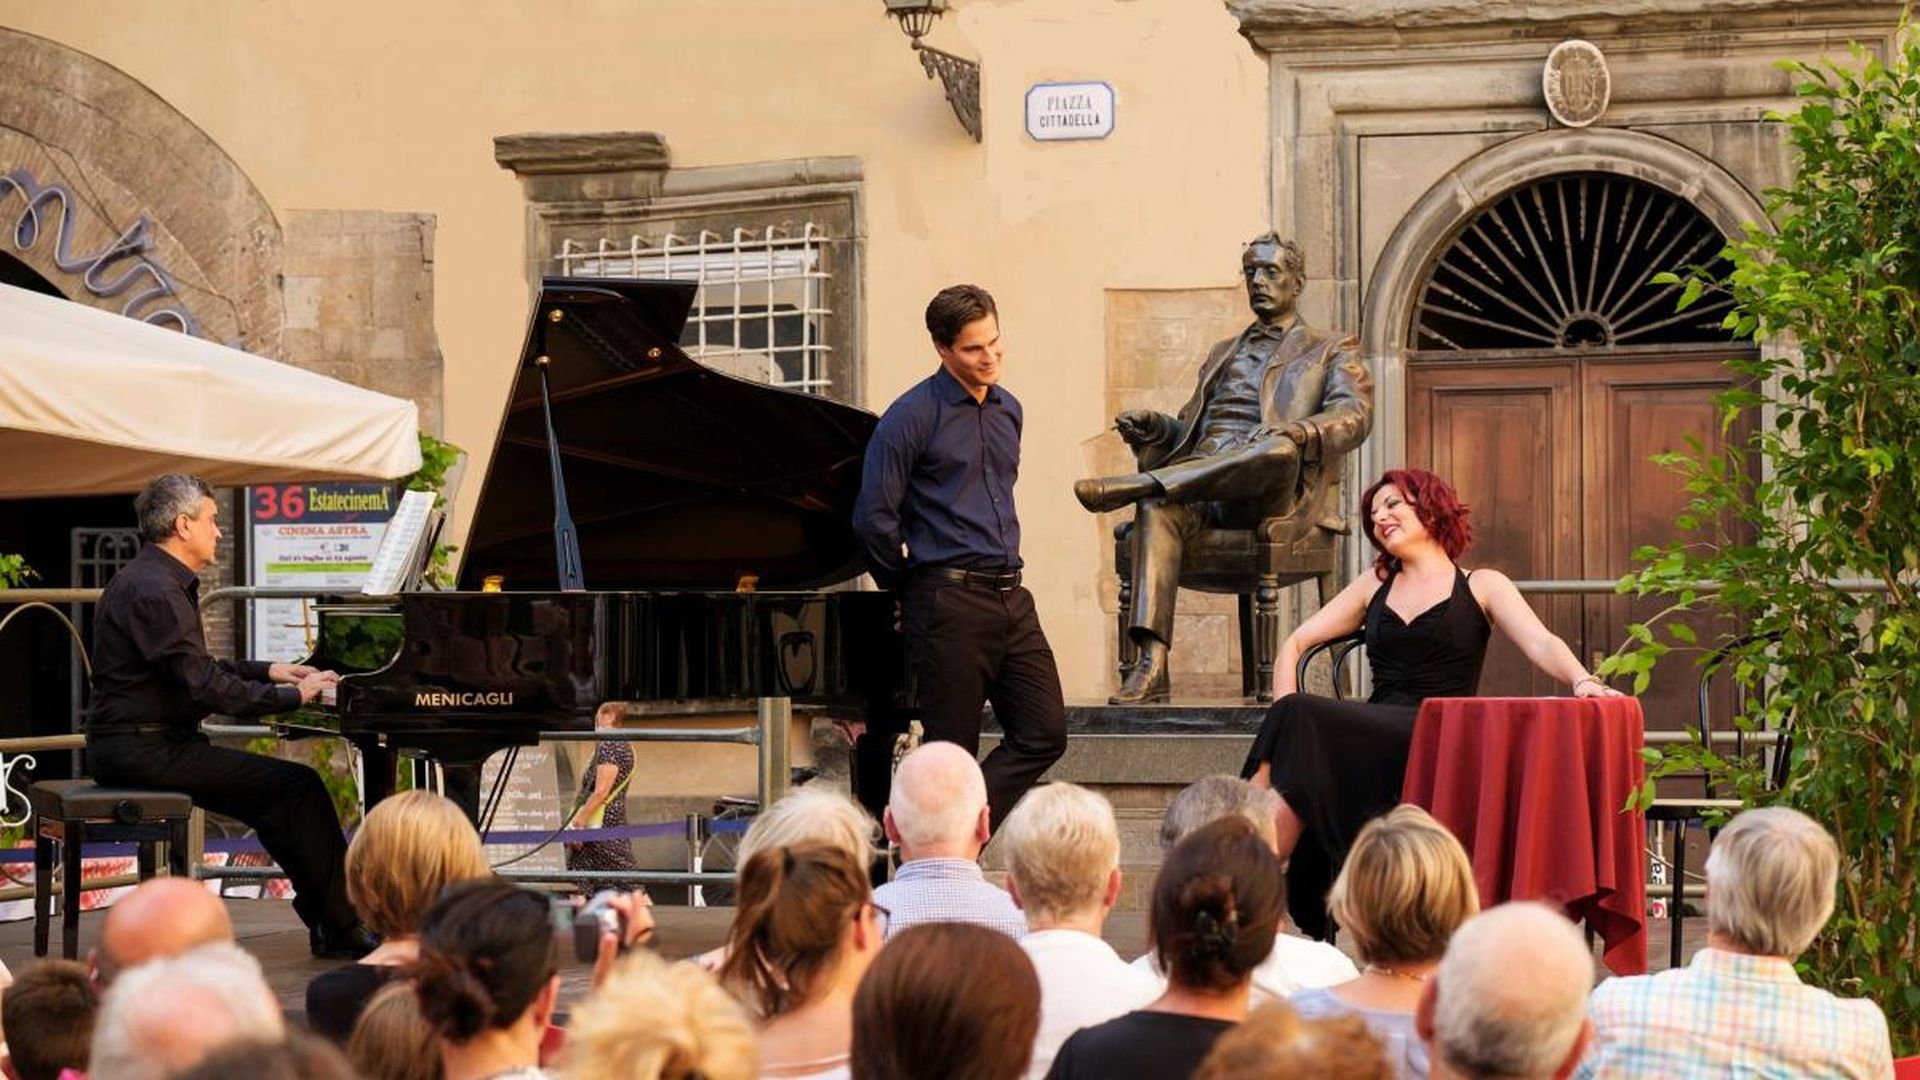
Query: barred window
{"type": "Point", "coordinates": [763, 308]}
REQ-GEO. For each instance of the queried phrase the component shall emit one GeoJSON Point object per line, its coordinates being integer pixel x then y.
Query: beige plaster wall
{"type": "Point", "coordinates": [393, 106]}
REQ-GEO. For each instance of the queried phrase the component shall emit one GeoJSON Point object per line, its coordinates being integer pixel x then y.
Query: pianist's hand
{"type": "Point", "coordinates": [288, 674]}
{"type": "Point", "coordinates": [315, 681]}
{"type": "Point", "coordinates": [637, 907]}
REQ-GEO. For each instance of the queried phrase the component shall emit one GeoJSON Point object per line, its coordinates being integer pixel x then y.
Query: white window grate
{"type": "Point", "coordinates": [761, 312]}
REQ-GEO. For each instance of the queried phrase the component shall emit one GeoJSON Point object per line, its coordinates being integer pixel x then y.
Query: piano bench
{"type": "Point", "coordinates": [72, 812]}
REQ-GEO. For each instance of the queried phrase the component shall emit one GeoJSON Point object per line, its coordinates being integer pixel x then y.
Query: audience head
{"type": "Point", "coordinates": [1063, 854]}
{"type": "Point", "coordinates": [408, 850]}
{"type": "Point", "coordinates": [800, 913]}
{"type": "Point", "coordinates": [48, 1016]}
{"type": "Point", "coordinates": [1276, 1041]}
{"type": "Point", "coordinates": [946, 1001]}
{"type": "Point", "coordinates": [1435, 503]}
{"type": "Point", "coordinates": [488, 961]}
{"type": "Point", "coordinates": [1217, 905]}
{"type": "Point", "coordinates": [1770, 882]}
{"type": "Point", "coordinates": [299, 1055]}
{"type": "Point", "coordinates": [811, 815]}
{"type": "Point", "coordinates": [1510, 999]}
{"type": "Point", "coordinates": [1211, 798]}
{"type": "Point", "coordinates": [652, 1020]}
{"type": "Point", "coordinates": [939, 803]}
{"type": "Point", "coordinates": [1405, 888]}
{"type": "Point", "coordinates": [392, 1041]}
{"type": "Point", "coordinates": [166, 1016]}
{"type": "Point", "coordinates": [161, 917]}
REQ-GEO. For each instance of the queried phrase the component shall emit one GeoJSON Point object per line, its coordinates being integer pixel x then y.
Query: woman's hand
{"type": "Point", "coordinates": [1591, 686]}
{"type": "Point", "coordinates": [636, 911]}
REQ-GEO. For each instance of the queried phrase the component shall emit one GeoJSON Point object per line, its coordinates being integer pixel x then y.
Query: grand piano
{"type": "Point", "coordinates": [657, 531]}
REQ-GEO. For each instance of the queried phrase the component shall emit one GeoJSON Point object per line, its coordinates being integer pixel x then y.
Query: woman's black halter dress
{"type": "Point", "coordinates": [1341, 763]}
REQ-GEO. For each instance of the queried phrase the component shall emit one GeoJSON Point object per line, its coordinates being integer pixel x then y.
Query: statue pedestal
{"type": "Point", "coordinates": [1139, 757]}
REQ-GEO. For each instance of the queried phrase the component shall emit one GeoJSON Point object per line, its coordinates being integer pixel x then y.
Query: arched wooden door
{"type": "Point", "coordinates": [1546, 371]}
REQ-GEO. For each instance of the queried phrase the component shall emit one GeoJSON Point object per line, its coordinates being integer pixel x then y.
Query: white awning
{"type": "Point", "coordinates": [94, 403]}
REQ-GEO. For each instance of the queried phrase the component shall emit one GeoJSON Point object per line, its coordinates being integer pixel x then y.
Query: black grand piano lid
{"type": "Point", "coordinates": [678, 476]}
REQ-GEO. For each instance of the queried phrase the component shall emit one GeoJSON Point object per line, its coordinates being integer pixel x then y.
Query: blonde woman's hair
{"type": "Point", "coordinates": [652, 1020]}
{"type": "Point", "coordinates": [410, 847]}
{"type": "Point", "coordinates": [1405, 888]}
{"type": "Point", "coordinates": [1062, 846]}
{"type": "Point", "coordinates": [811, 815]}
{"type": "Point", "coordinates": [391, 1040]}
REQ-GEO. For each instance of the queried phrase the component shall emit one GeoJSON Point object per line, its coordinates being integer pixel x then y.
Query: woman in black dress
{"type": "Point", "coordinates": [1338, 764]}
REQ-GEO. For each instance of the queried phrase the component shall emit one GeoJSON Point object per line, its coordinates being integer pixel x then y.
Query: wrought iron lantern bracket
{"type": "Point", "coordinates": [961, 79]}
{"type": "Point", "coordinates": [958, 76]}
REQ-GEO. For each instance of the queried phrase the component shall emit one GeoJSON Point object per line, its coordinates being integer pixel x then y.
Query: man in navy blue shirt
{"type": "Point", "coordinates": [935, 518]}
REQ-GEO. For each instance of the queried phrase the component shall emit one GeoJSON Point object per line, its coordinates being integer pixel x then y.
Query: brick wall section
{"type": "Point", "coordinates": [359, 300]}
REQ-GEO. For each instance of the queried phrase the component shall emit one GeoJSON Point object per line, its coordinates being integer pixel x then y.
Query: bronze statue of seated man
{"type": "Point", "coordinates": [1276, 409]}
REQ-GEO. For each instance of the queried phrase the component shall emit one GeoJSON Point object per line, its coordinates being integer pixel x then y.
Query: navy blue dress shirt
{"type": "Point", "coordinates": [939, 479]}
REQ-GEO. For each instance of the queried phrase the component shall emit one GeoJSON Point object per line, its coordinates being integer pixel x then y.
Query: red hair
{"type": "Point", "coordinates": [1435, 503]}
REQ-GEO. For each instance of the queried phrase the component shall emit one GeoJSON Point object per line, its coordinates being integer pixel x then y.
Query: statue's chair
{"type": "Point", "coordinates": [1254, 564]}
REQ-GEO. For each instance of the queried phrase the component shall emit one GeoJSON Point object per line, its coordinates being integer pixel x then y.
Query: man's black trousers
{"type": "Point", "coordinates": [284, 803]}
{"type": "Point", "coordinates": [970, 644]}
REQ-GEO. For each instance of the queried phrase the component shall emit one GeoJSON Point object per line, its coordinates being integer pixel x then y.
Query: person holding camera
{"type": "Point", "coordinates": [488, 978]}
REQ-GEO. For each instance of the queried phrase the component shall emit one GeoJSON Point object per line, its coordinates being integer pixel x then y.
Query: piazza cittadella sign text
{"type": "Point", "coordinates": [1075, 110]}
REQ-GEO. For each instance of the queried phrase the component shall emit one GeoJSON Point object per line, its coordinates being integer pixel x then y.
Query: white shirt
{"type": "Point", "coordinates": [1295, 964]}
{"type": "Point", "coordinates": [1083, 982]}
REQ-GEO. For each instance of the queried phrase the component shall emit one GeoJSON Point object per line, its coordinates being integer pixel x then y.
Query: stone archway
{"type": "Point", "coordinates": [1392, 291]}
{"type": "Point", "coordinates": [122, 202]}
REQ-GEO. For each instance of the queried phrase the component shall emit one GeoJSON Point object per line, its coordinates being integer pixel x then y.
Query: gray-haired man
{"type": "Point", "coordinates": [1739, 1009]}
{"type": "Point", "coordinates": [153, 682]}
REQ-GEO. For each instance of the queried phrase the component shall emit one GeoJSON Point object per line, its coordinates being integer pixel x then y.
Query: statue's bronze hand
{"type": "Point", "coordinates": [1292, 429]}
{"type": "Point", "coordinates": [1141, 427]}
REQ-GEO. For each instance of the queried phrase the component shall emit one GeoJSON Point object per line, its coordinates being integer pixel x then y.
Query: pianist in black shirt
{"type": "Point", "coordinates": [936, 521]}
{"type": "Point", "coordinates": [153, 682]}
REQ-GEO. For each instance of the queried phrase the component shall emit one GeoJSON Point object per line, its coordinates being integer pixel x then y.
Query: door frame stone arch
{"type": "Point", "coordinates": [1388, 302]}
{"type": "Point", "coordinates": [123, 153]}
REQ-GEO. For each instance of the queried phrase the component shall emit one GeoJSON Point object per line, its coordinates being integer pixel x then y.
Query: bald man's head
{"type": "Point", "coordinates": [939, 803]}
{"type": "Point", "coordinates": [1509, 999]}
{"type": "Point", "coordinates": [163, 917]}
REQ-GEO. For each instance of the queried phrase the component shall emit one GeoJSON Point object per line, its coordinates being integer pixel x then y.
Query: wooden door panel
{"type": "Point", "coordinates": [1503, 436]}
{"type": "Point", "coordinates": [1633, 411]}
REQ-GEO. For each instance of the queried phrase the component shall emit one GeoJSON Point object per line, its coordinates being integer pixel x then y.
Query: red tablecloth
{"type": "Point", "coordinates": [1533, 788]}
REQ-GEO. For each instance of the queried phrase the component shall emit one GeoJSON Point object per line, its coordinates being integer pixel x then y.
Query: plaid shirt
{"type": "Point", "coordinates": [1732, 1015]}
{"type": "Point", "coordinates": [947, 890]}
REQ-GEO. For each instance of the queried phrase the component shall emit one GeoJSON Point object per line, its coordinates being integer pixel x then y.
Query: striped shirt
{"type": "Point", "coordinates": [947, 890]}
{"type": "Point", "coordinates": [1730, 1014]}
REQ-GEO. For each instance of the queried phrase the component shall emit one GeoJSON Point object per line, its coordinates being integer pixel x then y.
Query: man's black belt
{"type": "Point", "coordinates": [134, 729]}
{"type": "Point", "coordinates": [998, 580]}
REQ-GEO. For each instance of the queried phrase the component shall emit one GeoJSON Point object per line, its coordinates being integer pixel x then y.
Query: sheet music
{"type": "Point", "coordinates": [398, 562]}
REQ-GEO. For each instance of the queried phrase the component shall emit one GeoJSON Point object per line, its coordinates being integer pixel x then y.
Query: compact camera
{"type": "Point", "coordinates": [596, 917]}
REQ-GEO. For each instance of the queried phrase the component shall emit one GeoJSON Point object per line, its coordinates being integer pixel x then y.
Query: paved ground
{"type": "Point", "coordinates": [269, 930]}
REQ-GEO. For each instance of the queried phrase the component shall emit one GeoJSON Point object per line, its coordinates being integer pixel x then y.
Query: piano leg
{"type": "Point", "coordinates": [376, 772]}
{"type": "Point", "coordinates": [461, 783]}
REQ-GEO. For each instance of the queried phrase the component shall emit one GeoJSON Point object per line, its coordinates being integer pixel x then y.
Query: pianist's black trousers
{"type": "Point", "coordinates": [970, 644]}
{"type": "Point", "coordinates": [284, 803]}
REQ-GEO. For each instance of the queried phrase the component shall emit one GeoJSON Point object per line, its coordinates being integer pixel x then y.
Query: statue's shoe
{"type": "Point", "coordinates": [1147, 683]}
{"type": "Point", "coordinates": [1102, 494]}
